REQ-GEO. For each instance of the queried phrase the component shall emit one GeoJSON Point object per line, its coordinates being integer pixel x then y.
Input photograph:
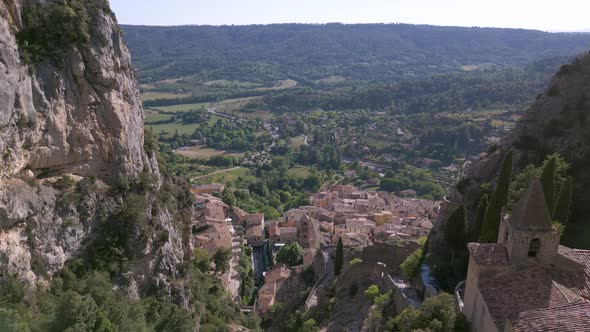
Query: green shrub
{"type": "Point", "coordinates": [372, 292]}
{"type": "Point", "coordinates": [63, 183]}
{"type": "Point", "coordinates": [50, 30]}
{"type": "Point", "coordinates": [291, 254]}
{"type": "Point", "coordinates": [355, 261]}
{"type": "Point", "coordinates": [411, 265]}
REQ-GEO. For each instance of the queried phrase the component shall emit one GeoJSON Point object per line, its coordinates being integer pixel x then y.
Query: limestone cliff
{"type": "Point", "coordinates": [82, 117]}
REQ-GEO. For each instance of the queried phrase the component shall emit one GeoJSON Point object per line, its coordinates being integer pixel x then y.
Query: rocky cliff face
{"type": "Point", "coordinates": [84, 117]}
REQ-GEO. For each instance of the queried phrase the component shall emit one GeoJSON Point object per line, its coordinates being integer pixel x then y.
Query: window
{"type": "Point", "coordinates": [534, 247]}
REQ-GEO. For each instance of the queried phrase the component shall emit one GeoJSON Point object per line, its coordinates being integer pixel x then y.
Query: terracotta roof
{"type": "Point", "coordinates": [518, 291]}
{"type": "Point", "coordinates": [578, 280]}
{"type": "Point", "coordinates": [572, 317]}
{"type": "Point", "coordinates": [288, 230]}
{"type": "Point", "coordinates": [254, 231]}
{"type": "Point", "coordinates": [531, 211]}
{"type": "Point", "coordinates": [488, 254]}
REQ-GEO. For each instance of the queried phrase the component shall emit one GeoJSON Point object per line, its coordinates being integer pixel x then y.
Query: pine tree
{"type": "Point", "coordinates": [562, 207]}
{"type": "Point", "coordinates": [548, 183]}
{"type": "Point", "coordinates": [479, 217]}
{"type": "Point", "coordinates": [339, 262]}
{"type": "Point", "coordinates": [499, 199]}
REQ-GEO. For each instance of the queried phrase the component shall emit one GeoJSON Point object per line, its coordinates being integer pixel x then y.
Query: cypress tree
{"type": "Point", "coordinates": [562, 207]}
{"type": "Point", "coordinates": [455, 235]}
{"type": "Point", "coordinates": [479, 217]}
{"type": "Point", "coordinates": [548, 183]}
{"type": "Point", "coordinates": [499, 199]}
{"type": "Point", "coordinates": [339, 261]}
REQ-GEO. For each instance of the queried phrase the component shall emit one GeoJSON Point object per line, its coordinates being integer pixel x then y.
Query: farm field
{"type": "Point", "coordinates": [148, 95]}
{"type": "Point", "coordinates": [204, 153]}
{"type": "Point", "coordinates": [297, 142]}
{"type": "Point", "coordinates": [181, 107]}
{"type": "Point", "coordinates": [226, 177]}
{"type": "Point", "coordinates": [170, 128]}
{"type": "Point", "coordinates": [151, 117]}
{"type": "Point", "coordinates": [300, 171]}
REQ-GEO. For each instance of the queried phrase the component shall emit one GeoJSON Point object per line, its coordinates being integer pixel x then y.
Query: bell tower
{"type": "Point", "coordinates": [529, 236]}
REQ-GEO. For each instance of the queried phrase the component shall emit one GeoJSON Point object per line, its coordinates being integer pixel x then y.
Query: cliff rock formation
{"type": "Point", "coordinates": [81, 116]}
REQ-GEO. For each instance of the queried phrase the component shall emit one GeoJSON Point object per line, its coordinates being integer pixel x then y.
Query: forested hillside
{"type": "Point", "coordinates": [369, 52]}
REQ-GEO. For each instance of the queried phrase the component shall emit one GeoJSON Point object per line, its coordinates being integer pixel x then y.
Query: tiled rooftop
{"type": "Point", "coordinates": [518, 291]}
{"type": "Point", "coordinates": [488, 254]}
{"type": "Point", "coordinates": [572, 317]}
{"type": "Point", "coordinates": [577, 280]}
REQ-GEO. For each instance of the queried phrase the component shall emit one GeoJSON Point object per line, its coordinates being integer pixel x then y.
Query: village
{"type": "Point", "coordinates": [358, 218]}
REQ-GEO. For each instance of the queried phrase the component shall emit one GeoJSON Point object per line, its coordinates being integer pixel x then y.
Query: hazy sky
{"type": "Point", "coordinates": [554, 15]}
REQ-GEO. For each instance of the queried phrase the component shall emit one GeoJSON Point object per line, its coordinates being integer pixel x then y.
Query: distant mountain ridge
{"type": "Point", "coordinates": [370, 52]}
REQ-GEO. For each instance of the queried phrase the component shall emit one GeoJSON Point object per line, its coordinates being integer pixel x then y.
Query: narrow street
{"type": "Point", "coordinates": [234, 266]}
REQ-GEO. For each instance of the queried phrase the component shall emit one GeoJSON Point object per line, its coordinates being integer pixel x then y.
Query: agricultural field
{"type": "Point", "coordinates": [170, 128]}
{"type": "Point", "coordinates": [153, 95]}
{"type": "Point", "coordinates": [226, 177]}
{"type": "Point", "coordinates": [233, 84]}
{"type": "Point", "coordinates": [204, 153]}
{"type": "Point", "coordinates": [300, 171]}
{"type": "Point", "coordinates": [181, 107]}
{"type": "Point", "coordinates": [151, 117]}
{"type": "Point", "coordinates": [297, 142]}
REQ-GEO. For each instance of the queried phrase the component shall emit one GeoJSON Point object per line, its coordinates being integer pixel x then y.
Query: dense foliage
{"type": "Point", "coordinates": [290, 254]}
{"type": "Point", "coordinates": [411, 265]}
{"type": "Point", "coordinates": [51, 29]}
{"type": "Point", "coordinates": [436, 314]}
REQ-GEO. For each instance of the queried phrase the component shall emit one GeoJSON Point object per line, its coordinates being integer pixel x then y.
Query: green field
{"type": "Point", "coordinates": [297, 142]}
{"type": "Point", "coordinates": [181, 107]}
{"type": "Point", "coordinates": [237, 84]}
{"type": "Point", "coordinates": [204, 153]}
{"type": "Point", "coordinates": [300, 171]}
{"type": "Point", "coordinates": [156, 117]}
{"type": "Point", "coordinates": [226, 177]}
{"type": "Point", "coordinates": [171, 128]}
{"type": "Point", "coordinates": [161, 95]}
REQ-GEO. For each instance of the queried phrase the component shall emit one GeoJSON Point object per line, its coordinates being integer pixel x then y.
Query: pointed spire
{"type": "Point", "coordinates": [531, 212]}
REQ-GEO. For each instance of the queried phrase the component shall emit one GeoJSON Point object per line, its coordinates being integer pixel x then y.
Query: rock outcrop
{"type": "Point", "coordinates": [84, 117]}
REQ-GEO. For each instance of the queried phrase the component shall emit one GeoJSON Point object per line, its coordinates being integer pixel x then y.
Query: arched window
{"type": "Point", "coordinates": [534, 247]}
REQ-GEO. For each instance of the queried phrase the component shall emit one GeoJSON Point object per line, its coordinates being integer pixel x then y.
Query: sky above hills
{"type": "Point", "coordinates": [548, 15]}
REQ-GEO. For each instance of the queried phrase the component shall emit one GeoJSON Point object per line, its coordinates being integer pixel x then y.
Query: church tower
{"type": "Point", "coordinates": [529, 236]}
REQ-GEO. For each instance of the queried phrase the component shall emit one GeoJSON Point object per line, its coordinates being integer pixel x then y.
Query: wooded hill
{"type": "Point", "coordinates": [368, 52]}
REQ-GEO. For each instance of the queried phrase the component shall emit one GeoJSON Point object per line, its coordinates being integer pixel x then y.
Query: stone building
{"type": "Point", "coordinates": [527, 281]}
